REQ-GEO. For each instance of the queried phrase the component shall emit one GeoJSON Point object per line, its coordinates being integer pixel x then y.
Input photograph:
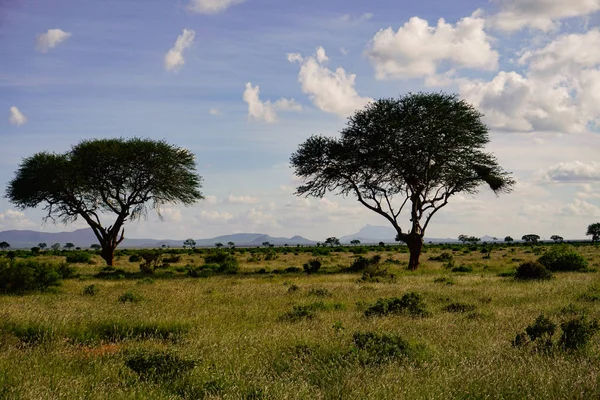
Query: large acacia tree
{"type": "Point", "coordinates": [403, 157]}
{"type": "Point", "coordinates": [100, 178]}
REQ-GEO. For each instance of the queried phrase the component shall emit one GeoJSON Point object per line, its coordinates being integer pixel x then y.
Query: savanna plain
{"type": "Point", "coordinates": [343, 322]}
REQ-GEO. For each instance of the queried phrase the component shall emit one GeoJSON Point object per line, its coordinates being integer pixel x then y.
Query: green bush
{"type": "Point", "coordinates": [227, 263]}
{"type": "Point", "coordinates": [411, 304]}
{"type": "Point", "coordinates": [563, 258]}
{"type": "Point", "coordinates": [90, 290]}
{"type": "Point", "coordinates": [377, 273]}
{"type": "Point", "coordinates": [79, 257]}
{"type": "Point", "coordinates": [577, 333]}
{"type": "Point", "coordinates": [159, 365]}
{"type": "Point", "coordinates": [312, 266]}
{"type": "Point", "coordinates": [374, 348]}
{"type": "Point", "coordinates": [129, 297]}
{"type": "Point", "coordinates": [135, 258]}
{"type": "Point", "coordinates": [445, 257]}
{"type": "Point", "coordinates": [532, 270]}
{"type": "Point", "coordinates": [361, 263]}
{"type": "Point", "coordinates": [462, 268]}
{"type": "Point", "coordinates": [299, 313]}
{"type": "Point", "coordinates": [19, 276]}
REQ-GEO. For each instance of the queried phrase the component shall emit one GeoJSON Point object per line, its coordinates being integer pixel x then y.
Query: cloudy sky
{"type": "Point", "coordinates": [242, 82]}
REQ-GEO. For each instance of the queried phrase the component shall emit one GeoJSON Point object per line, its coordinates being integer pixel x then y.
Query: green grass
{"type": "Point", "coordinates": [64, 344]}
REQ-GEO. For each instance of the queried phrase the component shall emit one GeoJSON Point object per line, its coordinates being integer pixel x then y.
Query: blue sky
{"type": "Point", "coordinates": [242, 83]}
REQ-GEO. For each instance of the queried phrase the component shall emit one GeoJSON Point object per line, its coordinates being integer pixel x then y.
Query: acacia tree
{"type": "Point", "coordinates": [97, 178]}
{"type": "Point", "coordinates": [409, 154]}
{"type": "Point", "coordinates": [594, 231]}
{"type": "Point", "coordinates": [531, 238]}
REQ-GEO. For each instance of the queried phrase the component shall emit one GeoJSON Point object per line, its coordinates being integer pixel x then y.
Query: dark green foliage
{"type": "Point", "coordinates": [459, 307]}
{"type": "Point", "coordinates": [31, 333]}
{"type": "Point", "coordinates": [226, 262]}
{"type": "Point", "coordinates": [592, 293]}
{"type": "Point", "coordinates": [292, 270]}
{"type": "Point", "coordinates": [159, 365]}
{"type": "Point", "coordinates": [577, 332]}
{"type": "Point", "coordinates": [152, 261]}
{"type": "Point", "coordinates": [312, 266]}
{"type": "Point", "coordinates": [563, 258]}
{"type": "Point", "coordinates": [444, 256]}
{"type": "Point", "coordinates": [129, 297]}
{"type": "Point", "coordinates": [271, 255]}
{"type": "Point", "coordinates": [172, 259]}
{"type": "Point", "coordinates": [79, 257]}
{"type": "Point", "coordinates": [411, 304]}
{"type": "Point", "coordinates": [462, 268]}
{"type": "Point", "coordinates": [374, 348]}
{"type": "Point", "coordinates": [532, 270]}
{"type": "Point", "coordinates": [377, 273]}
{"type": "Point", "coordinates": [20, 276]}
{"type": "Point", "coordinates": [135, 258]}
{"type": "Point", "coordinates": [361, 263]}
{"type": "Point", "coordinates": [90, 290]}
{"type": "Point", "coordinates": [539, 333]}
{"type": "Point", "coordinates": [299, 313]}
{"type": "Point", "coordinates": [110, 272]}
{"type": "Point", "coordinates": [445, 280]}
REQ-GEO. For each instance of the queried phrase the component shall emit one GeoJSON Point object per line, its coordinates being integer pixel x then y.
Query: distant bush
{"type": "Point", "coordinates": [90, 290]}
{"type": "Point", "coordinates": [374, 348]}
{"type": "Point", "coordinates": [563, 258]}
{"type": "Point", "coordinates": [445, 257]}
{"type": "Point", "coordinates": [226, 262]}
{"type": "Point", "coordinates": [443, 279]}
{"type": "Point", "coordinates": [361, 263]}
{"type": "Point", "coordinates": [459, 307]}
{"type": "Point", "coordinates": [532, 270]}
{"type": "Point", "coordinates": [173, 259]}
{"type": "Point", "coordinates": [299, 313]}
{"type": "Point", "coordinates": [79, 257]}
{"type": "Point", "coordinates": [19, 276]}
{"type": "Point", "coordinates": [158, 365]}
{"type": "Point", "coordinates": [135, 258]}
{"type": "Point", "coordinates": [577, 333]}
{"type": "Point", "coordinates": [377, 273]}
{"type": "Point", "coordinates": [462, 268]}
{"type": "Point", "coordinates": [292, 270]}
{"type": "Point", "coordinates": [312, 266]}
{"type": "Point", "coordinates": [129, 297]}
{"type": "Point", "coordinates": [411, 304]}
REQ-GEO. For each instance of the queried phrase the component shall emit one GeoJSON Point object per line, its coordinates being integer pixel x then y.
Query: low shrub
{"type": "Point", "coordinates": [20, 276]}
{"type": "Point", "coordinates": [361, 263]}
{"type": "Point", "coordinates": [377, 273]}
{"type": "Point", "coordinates": [411, 304]}
{"type": "Point", "coordinates": [79, 257]}
{"type": "Point", "coordinates": [563, 258]}
{"type": "Point", "coordinates": [135, 258]}
{"type": "Point", "coordinates": [312, 266]}
{"type": "Point", "coordinates": [292, 270]}
{"type": "Point", "coordinates": [462, 268]}
{"type": "Point", "coordinates": [444, 257]}
{"type": "Point", "coordinates": [129, 297]}
{"type": "Point", "coordinates": [299, 313]}
{"type": "Point", "coordinates": [532, 270]}
{"type": "Point", "coordinates": [173, 259]}
{"type": "Point", "coordinates": [374, 348]}
{"type": "Point", "coordinates": [90, 290]}
{"type": "Point", "coordinates": [159, 365]}
{"type": "Point", "coordinates": [577, 332]}
{"type": "Point", "coordinates": [226, 262]}
{"type": "Point", "coordinates": [445, 280]}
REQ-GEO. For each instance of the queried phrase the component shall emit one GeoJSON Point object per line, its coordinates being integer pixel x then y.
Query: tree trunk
{"type": "Point", "coordinates": [415, 245]}
{"type": "Point", "coordinates": [107, 253]}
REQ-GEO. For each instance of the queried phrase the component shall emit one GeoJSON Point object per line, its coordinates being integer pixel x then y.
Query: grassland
{"type": "Point", "coordinates": [245, 340]}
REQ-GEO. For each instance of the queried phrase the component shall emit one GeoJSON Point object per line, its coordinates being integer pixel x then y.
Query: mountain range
{"type": "Point", "coordinates": [85, 237]}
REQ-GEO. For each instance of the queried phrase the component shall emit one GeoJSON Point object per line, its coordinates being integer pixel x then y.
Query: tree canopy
{"type": "Point", "coordinates": [96, 178]}
{"type": "Point", "coordinates": [593, 230]}
{"type": "Point", "coordinates": [409, 155]}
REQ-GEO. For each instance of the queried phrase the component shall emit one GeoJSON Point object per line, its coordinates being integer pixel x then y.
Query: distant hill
{"type": "Point", "coordinates": [85, 237]}
{"type": "Point", "coordinates": [370, 234]}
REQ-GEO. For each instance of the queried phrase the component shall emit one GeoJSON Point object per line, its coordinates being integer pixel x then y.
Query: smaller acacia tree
{"type": "Point", "coordinates": [123, 177]}
{"type": "Point", "coordinates": [355, 242]}
{"type": "Point", "coordinates": [530, 238]}
{"type": "Point", "coordinates": [593, 230]}
{"type": "Point", "coordinates": [191, 243]}
{"type": "Point", "coordinates": [557, 238]}
{"type": "Point", "coordinates": [4, 245]}
{"type": "Point", "coordinates": [332, 241]}
{"type": "Point", "coordinates": [508, 239]}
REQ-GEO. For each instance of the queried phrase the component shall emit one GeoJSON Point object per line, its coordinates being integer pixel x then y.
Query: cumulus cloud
{"type": "Point", "coordinates": [330, 91]}
{"type": "Point", "coordinates": [174, 57]}
{"type": "Point", "coordinates": [12, 219]}
{"type": "Point", "coordinates": [16, 117]}
{"type": "Point", "coordinates": [582, 208]}
{"type": "Point", "coordinates": [575, 171]}
{"type": "Point", "coordinates": [231, 199]}
{"type": "Point", "coordinates": [210, 199]}
{"type": "Point", "coordinates": [214, 216]}
{"type": "Point", "coordinates": [265, 110]}
{"type": "Point", "coordinates": [50, 39]}
{"type": "Point", "coordinates": [539, 14]}
{"type": "Point", "coordinates": [171, 214]}
{"type": "Point", "coordinates": [417, 49]}
{"type": "Point", "coordinates": [212, 6]}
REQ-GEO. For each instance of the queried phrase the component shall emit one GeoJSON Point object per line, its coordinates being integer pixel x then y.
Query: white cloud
{"type": "Point", "coordinates": [210, 199]}
{"type": "Point", "coordinates": [16, 117]}
{"type": "Point", "coordinates": [174, 57]}
{"type": "Point", "coordinates": [50, 39]}
{"type": "Point", "coordinates": [231, 199]}
{"type": "Point", "coordinates": [214, 216]}
{"type": "Point", "coordinates": [171, 214]}
{"type": "Point", "coordinates": [212, 6]}
{"type": "Point", "coordinates": [258, 110]}
{"type": "Point", "coordinates": [539, 14]}
{"type": "Point", "coordinates": [417, 49]}
{"type": "Point", "coordinates": [575, 171]}
{"type": "Point", "coordinates": [265, 110]}
{"type": "Point", "coordinates": [582, 208]}
{"type": "Point", "coordinates": [330, 91]}
{"type": "Point", "coordinates": [350, 19]}
{"type": "Point", "coordinates": [12, 219]}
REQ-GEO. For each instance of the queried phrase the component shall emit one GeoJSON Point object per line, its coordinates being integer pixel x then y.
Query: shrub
{"type": "Point", "coordinates": [129, 297]}
{"type": "Point", "coordinates": [312, 266]}
{"type": "Point", "coordinates": [292, 270]}
{"type": "Point", "coordinates": [152, 261]}
{"type": "Point", "coordinates": [577, 333]}
{"type": "Point", "coordinates": [79, 257]}
{"type": "Point", "coordinates": [411, 304]}
{"type": "Point", "coordinates": [445, 280]}
{"type": "Point", "coordinates": [361, 263]}
{"type": "Point", "coordinates": [374, 348]}
{"type": "Point", "coordinates": [377, 273]}
{"type": "Point", "coordinates": [299, 313]}
{"type": "Point", "coordinates": [226, 262]}
{"type": "Point", "coordinates": [563, 258]}
{"type": "Point", "coordinates": [540, 333]}
{"type": "Point", "coordinates": [444, 256]}
{"type": "Point", "coordinates": [19, 276]}
{"type": "Point", "coordinates": [135, 258]}
{"type": "Point", "coordinates": [158, 365]}
{"type": "Point", "coordinates": [532, 270]}
{"type": "Point", "coordinates": [173, 259]}
{"type": "Point", "coordinates": [90, 290]}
